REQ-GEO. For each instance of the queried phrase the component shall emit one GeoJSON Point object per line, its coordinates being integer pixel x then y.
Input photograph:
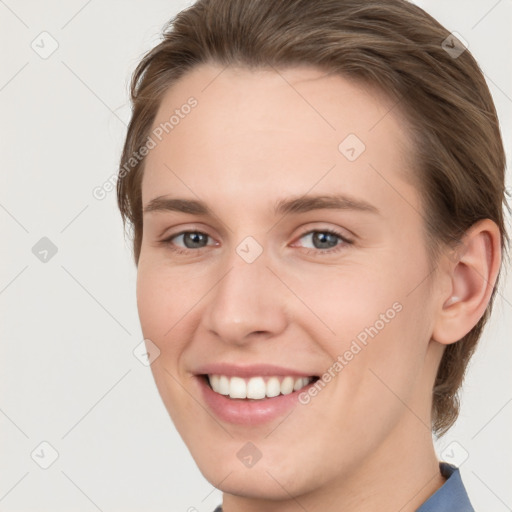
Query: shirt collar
{"type": "Point", "coordinates": [451, 496]}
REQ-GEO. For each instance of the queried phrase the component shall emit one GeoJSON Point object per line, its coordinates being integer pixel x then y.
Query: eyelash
{"type": "Point", "coordinates": [345, 241]}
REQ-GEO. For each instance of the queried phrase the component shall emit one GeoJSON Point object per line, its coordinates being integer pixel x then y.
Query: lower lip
{"type": "Point", "coordinates": [248, 412]}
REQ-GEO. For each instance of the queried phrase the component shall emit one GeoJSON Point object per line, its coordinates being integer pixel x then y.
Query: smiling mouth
{"type": "Point", "coordinates": [256, 388]}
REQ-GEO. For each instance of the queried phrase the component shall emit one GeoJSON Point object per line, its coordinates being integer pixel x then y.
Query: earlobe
{"type": "Point", "coordinates": [472, 276]}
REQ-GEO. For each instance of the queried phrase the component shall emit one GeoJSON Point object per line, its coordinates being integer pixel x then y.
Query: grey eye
{"type": "Point", "coordinates": [322, 239]}
{"type": "Point", "coordinates": [193, 239]}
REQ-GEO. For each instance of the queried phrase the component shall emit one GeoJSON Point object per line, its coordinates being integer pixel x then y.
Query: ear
{"type": "Point", "coordinates": [471, 275]}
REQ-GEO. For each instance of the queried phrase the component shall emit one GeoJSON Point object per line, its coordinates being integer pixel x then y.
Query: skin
{"type": "Point", "coordinates": [257, 137]}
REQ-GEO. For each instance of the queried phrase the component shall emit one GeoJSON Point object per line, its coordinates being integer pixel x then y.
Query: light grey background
{"type": "Point", "coordinates": [69, 325]}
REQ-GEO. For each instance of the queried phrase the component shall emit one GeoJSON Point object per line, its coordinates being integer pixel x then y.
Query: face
{"type": "Point", "coordinates": [283, 256]}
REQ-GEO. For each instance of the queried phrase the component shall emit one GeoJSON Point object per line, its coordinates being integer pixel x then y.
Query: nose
{"type": "Point", "coordinates": [247, 303]}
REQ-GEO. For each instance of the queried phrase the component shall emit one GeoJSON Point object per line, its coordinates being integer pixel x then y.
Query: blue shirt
{"type": "Point", "coordinates": [450, 497]}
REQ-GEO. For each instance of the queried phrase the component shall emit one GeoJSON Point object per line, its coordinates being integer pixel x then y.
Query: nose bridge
{"type": "Point", "coordinates": [245, 300]}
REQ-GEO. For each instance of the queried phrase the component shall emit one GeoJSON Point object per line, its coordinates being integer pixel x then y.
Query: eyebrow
{"type": "Point", "coordinates": [300, 204]}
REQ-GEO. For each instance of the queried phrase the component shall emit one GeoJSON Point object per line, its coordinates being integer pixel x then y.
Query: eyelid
{"type": "Point", "coordinates": [344, 242]}
{"type": "Point", "coordinates": [345, 234]}
{"type": "Point", "coordinates": [186, 227]}
{"type": "Point", "coordinates": [167, 239]}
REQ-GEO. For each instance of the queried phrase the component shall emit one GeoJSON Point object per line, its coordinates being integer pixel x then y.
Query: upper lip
{"type": "Point", "coordinates": [252, 370]}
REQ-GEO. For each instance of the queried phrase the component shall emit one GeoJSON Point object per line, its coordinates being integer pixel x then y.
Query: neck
{"type": "Point", "coordinates": [400, 475]}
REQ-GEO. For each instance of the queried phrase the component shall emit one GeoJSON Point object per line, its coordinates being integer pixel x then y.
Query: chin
{"type": "Point", "coordinates": [262, 483]}
{"type": "Point", "coordinates": [273, 477]}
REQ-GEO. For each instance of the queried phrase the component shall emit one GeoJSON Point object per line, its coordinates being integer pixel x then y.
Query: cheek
{"type": "Point", "coordinates": [151, 303]}
{"type": "Point", "coordinates": [347, 303]}
{"type": "Point", "coordinates": [373, 321]}
{"type": "Point", "coordinates": [162, 301]}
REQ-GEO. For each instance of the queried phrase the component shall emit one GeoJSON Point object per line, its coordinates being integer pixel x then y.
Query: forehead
{"type": "Point", "coordinates": [273, 128]}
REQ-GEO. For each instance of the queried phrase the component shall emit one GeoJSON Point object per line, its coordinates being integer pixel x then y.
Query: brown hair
{"type": "Point", "coordinates": [459, 158]}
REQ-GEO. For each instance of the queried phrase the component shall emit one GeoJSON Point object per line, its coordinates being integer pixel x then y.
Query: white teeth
{"type": "Point", "coordinates": [287, 385]}
{"type": "Point", "coordinates": [223, 388]}
{"type": "Point", "coordinates": [237, 388]}
{"type": "Point", "coordinates": [299, 383]}
{"type": "Point", "coordinates": [273, 387]}
{"type": "Point", "coordinates": [256, 388]}
{"type": "Point", "coordinates": [214, 381]}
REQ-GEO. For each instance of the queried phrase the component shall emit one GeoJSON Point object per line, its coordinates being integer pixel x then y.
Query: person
{"type": "Point", "coordinates": [315, 192]}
